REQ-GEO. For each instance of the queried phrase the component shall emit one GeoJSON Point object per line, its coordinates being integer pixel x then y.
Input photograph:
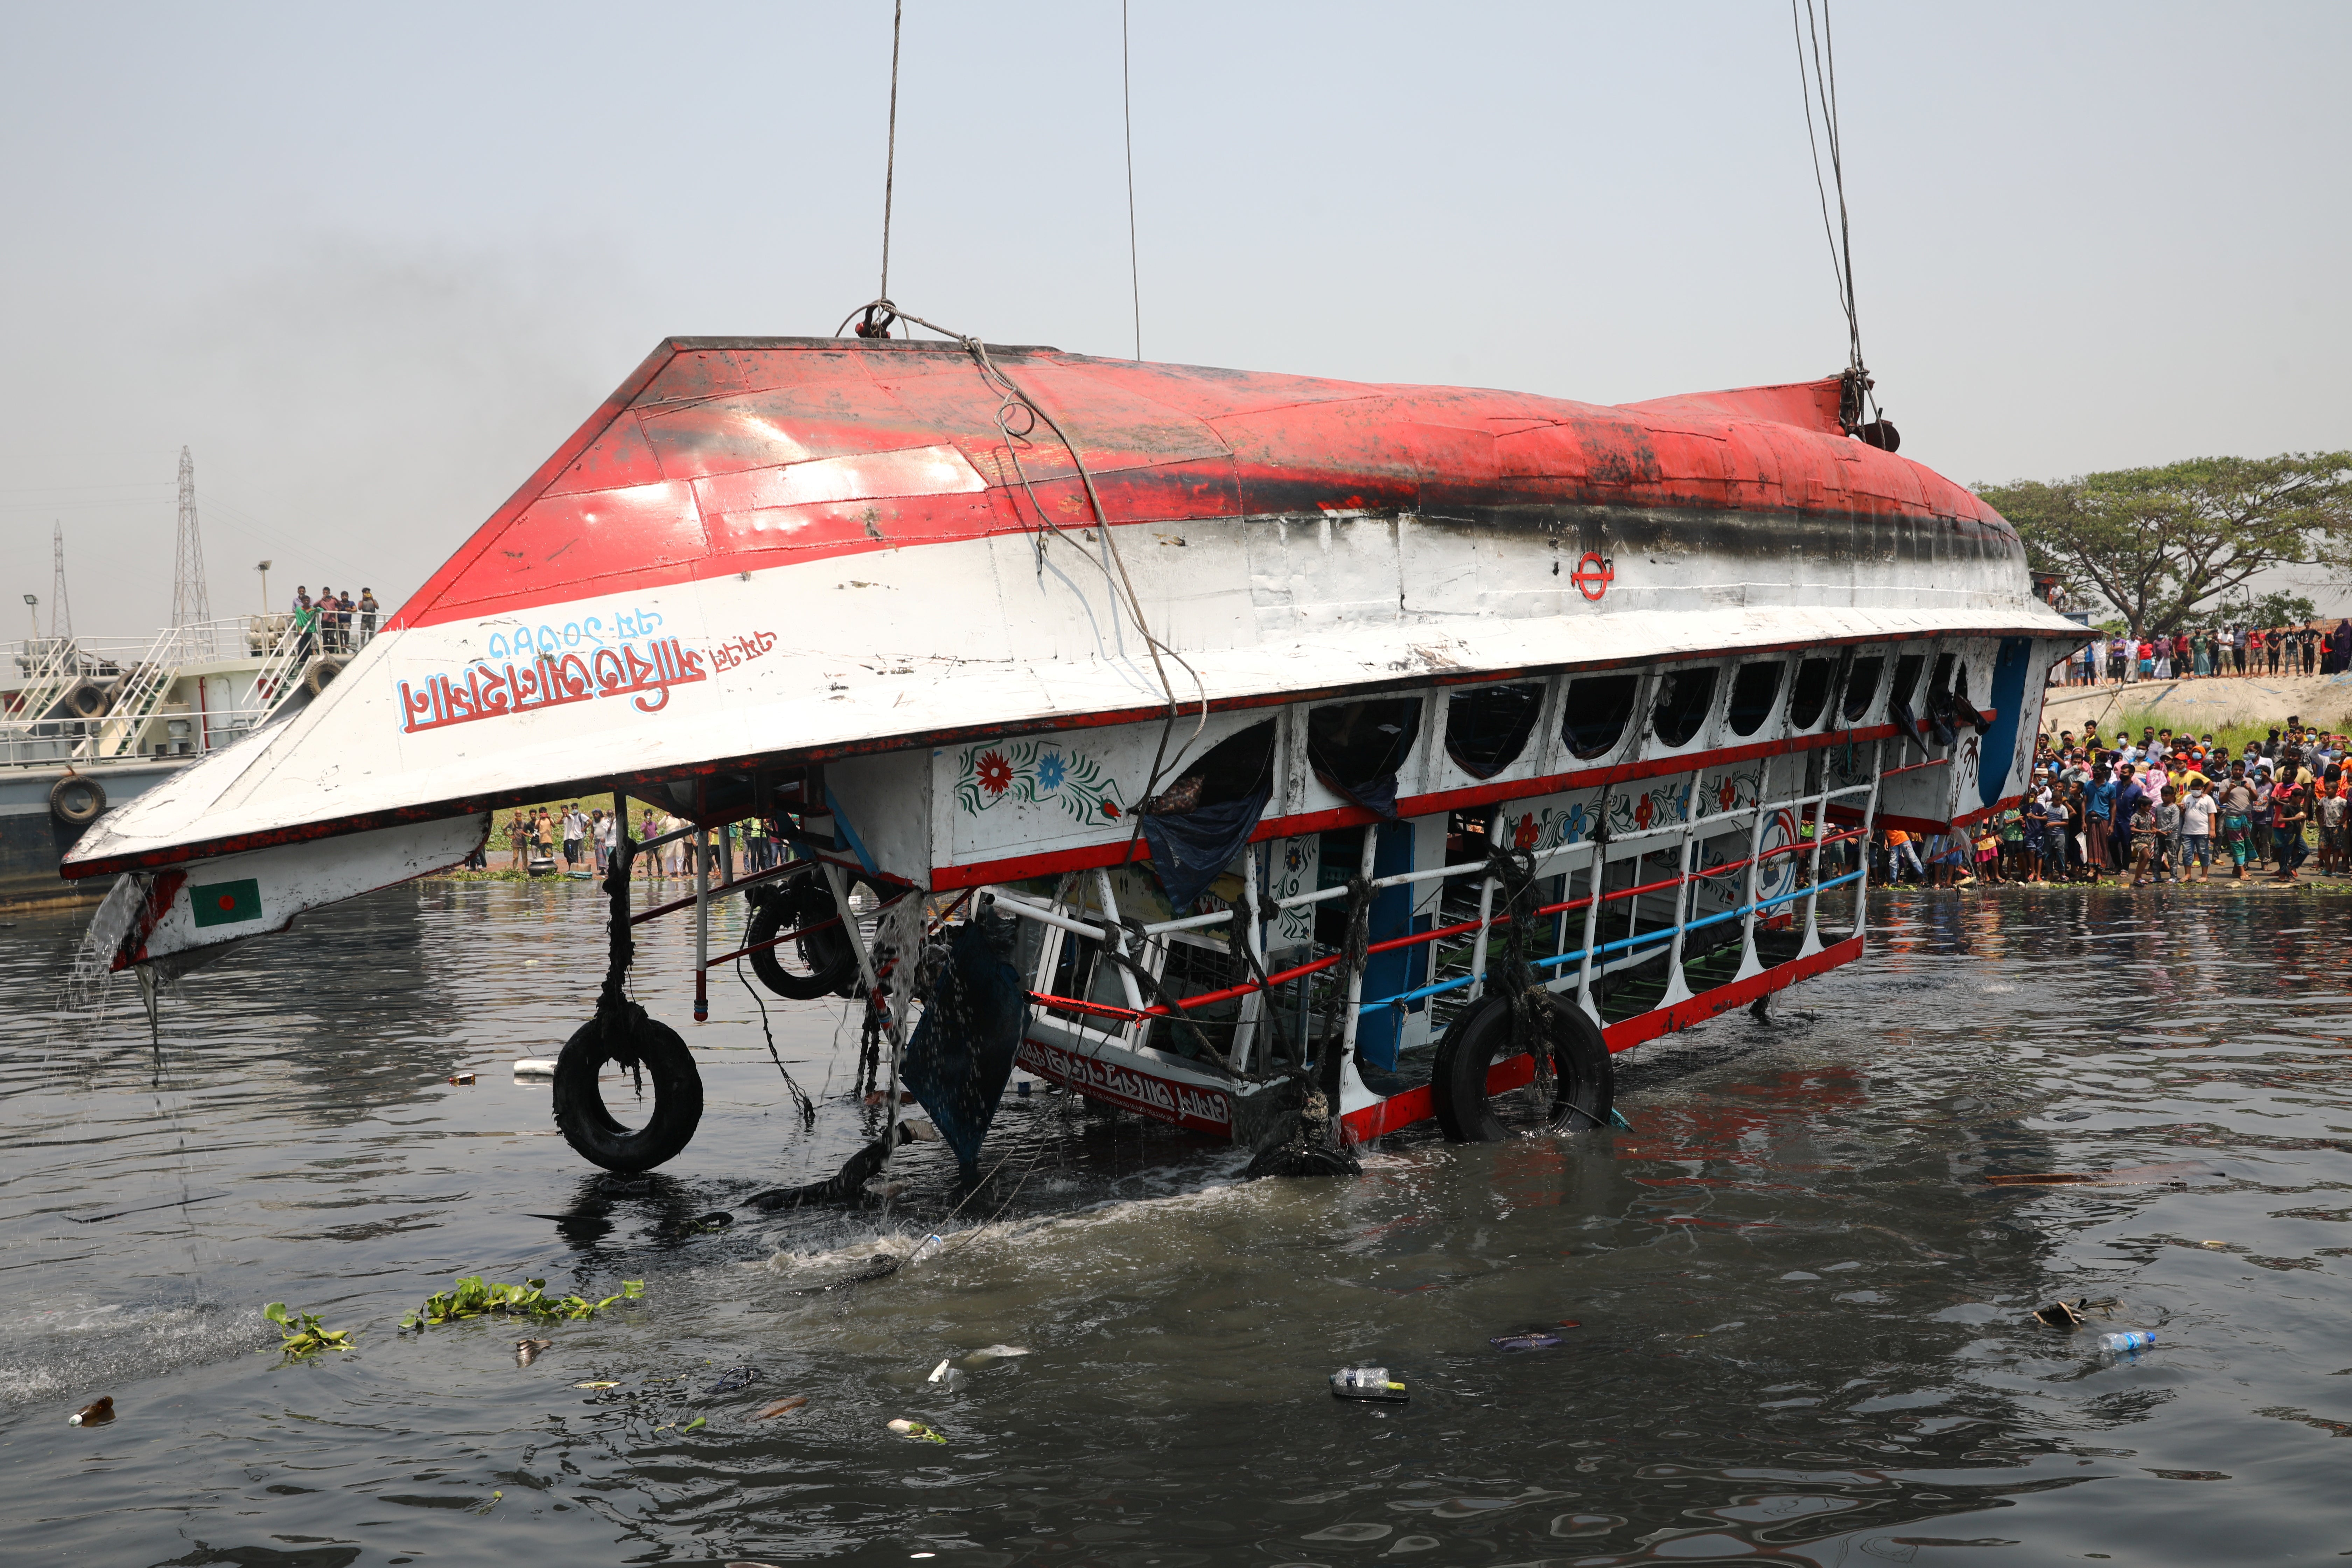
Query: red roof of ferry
{"type": "Point", "coordinates": [722, 454]}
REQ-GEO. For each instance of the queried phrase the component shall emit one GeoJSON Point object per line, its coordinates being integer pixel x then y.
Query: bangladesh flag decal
{"type": "Point", "coordinates": [226, 903]}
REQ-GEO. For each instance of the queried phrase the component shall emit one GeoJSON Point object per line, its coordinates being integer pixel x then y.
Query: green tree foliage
{"type": "Point", "coordinates": [2167, 546]}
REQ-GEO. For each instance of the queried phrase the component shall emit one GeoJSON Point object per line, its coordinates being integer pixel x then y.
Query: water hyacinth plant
{"type": "Point", "coordinates": [303, 1333]}
{"type": "Point", "coordinates": [475, 1298]}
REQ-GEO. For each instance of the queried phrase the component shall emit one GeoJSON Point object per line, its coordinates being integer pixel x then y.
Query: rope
{"type": "Point", "coordinates": [617, 1016]}
{"type": "Point", "coordinates": [875, 327]}
{"type": "Point", "coordinates": [800, 1095]}
{"type": "Point", "coordinates": [1016, 404]}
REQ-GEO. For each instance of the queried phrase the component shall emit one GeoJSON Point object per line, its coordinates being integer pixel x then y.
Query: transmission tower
{"type": "Point", "coordinates": [189, 604]}
{"type": "Point", "coordinates": [60, 612]}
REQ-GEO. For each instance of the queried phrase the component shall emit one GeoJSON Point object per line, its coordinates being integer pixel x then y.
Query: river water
{"type": "Point", "coordinates": [1802, 1324]}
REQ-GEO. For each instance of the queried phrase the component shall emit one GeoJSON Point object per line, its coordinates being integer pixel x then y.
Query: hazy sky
{"type": "Point", "coordinates": [373, 264]}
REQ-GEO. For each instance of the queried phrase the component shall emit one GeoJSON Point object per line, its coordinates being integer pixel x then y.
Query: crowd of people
{"type": "Point", "coordinates": [2163, 807]}
{"type": "Point", "coordinates": [2224, 650]}
{"type": "Point", "coordinates": [335, 623]}
{"type": "Point", "coordinates": [582, 841]}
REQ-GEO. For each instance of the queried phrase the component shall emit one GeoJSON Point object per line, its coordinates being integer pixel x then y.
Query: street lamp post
{"type": "Point", "coordinates": [264, 569]}
{"type": "Point", "coordinates": [33, 613]}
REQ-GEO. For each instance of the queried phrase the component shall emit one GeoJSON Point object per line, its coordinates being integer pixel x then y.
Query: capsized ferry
{"type": "Point", "coordinates": [1392, 752]}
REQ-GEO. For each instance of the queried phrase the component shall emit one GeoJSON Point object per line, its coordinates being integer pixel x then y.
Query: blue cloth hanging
{"type": "Point", "coordinates": [960, 1056]}
{"type": "Point", "coordinates": [1191, 849]}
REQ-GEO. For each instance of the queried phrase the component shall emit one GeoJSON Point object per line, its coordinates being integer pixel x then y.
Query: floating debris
{"type": "Point", "coordinates": [995, 1352]}
{"type": "Point", "coordinates": [2171, 1172]}
{"type": "Point", "coordinates": [2060, 1315]}
{"type": "Point", "coordinates": [473, 1298]}
{"type": "Point", "coordinates": [534, 1067]}
{"type": "Point", "coordinates": [946, 1377]}
{"type": "Point", "coordinates": [1527, 1340]}
{"type": "Point", "coordinates": [303, 1333]}
{"type": "Point", "coordinates": [704, 1224]}
{"type": "Point", "coordinates": [1371, 1383]}
{"type": "Point", "coordinates": [783, 1406]}
{"type": "Point", "coordinates": [461, 1080]}
{"type": "Point", "coordinates": [905, 1428]}
{"type": "Point", "coordinates": [595, 1385]}
{"type": "Point", "coordinates": [733, 1378]}
{"type": "Point", "coordinates": [527, 1351]}
{"type": "Point", "coordinates": [97, 1412]}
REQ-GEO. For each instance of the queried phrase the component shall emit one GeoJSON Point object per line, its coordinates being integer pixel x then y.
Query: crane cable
{"type": "Point", "coordinates": [1817, 83]}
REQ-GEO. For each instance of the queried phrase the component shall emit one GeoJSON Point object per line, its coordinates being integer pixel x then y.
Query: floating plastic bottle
{"type": "Point", "coordinates": [925, 1248]}
{"type": "Point", "coordinates": [2128, 1344]}
{"type": "Point", "coordinates": [1367, 1382]}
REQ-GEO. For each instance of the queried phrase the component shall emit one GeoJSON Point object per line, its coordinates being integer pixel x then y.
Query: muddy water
{"type": "Point", "coordinates": [1801, 1324]}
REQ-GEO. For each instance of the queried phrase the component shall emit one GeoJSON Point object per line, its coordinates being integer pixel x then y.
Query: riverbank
{"type": "Point", "coordinates": [2222, 705]}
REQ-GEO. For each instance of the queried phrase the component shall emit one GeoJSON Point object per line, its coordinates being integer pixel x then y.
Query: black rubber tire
{"type": "Point", "coordinates": [77, 800]}
{"type": "Point", "coordinates": [321, 673]}
{"type": "Point", "coordinates": [827, 960]}
{"type": "Point", "coordinates": [593, 1132]}
{"type": "Point", "coordinates": [1583, 1082]}
{"type": "Point", "coordinates": [87, 699]}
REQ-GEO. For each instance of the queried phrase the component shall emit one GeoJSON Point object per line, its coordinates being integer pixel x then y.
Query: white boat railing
{"type": "Point", "coordinates": [1592, 957]}
{"type": "Point", "coordinates": [125, 688]}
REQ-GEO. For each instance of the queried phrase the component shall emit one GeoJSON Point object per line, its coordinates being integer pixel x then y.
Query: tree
{"type": "Point", "coordinates": [2164, 545]}
{"type": "Point", "coordinates": [2272, 610]}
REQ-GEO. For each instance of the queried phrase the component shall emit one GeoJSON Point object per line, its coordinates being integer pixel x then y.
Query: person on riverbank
{"type": "Point", "coordinates": [575, 833]}
{"type": "Point", "coordinates": [2196, 814]}
{"type": "Point", "coordinates": [2289, 812]}
{"type": "Point", "coordinates": [2237, 818]}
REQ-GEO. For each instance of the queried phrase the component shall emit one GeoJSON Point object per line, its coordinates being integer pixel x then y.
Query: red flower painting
{"type": "Point", "coordinates": [1642, 812]}
{"type": "Point", "coordinates": [996, 774]}
{"type": "Point", "coordinates": [1726, 794]}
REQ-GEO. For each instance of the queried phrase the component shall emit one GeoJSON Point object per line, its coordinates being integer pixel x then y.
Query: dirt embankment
{"type": "Point", "coordinates": [2215, 702]}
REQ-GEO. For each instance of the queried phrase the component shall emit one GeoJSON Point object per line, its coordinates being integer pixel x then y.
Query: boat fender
{"type": "Point", "coordinates": [77, 800]}
{"type": "Point", "coordinates": [1583, 1081]}
{"type": "Point", "coordinates": [653, 1049]}
{"type": "Point", "coordinates": [88, 700]}
{"type": "Point", "coordinates": [832, 962]}
{"type": "Point", "coordinates": [315, 679]}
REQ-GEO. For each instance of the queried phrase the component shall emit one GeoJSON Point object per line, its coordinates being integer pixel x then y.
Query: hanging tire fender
{"type": "Point", "coordinates": [1583, 1081]}
{"type": "Point", "coordinates": [77, 800]}
{"type": "Point", "coordinates": [802, 902]}
{"type": "Point", "coordinates": [321, 673]}
{"type": "Point", "coordinates": [593, 1131]}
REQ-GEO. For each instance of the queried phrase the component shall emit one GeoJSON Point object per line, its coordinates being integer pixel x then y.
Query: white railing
{"type": "Point", "coordinates": [254, 661]}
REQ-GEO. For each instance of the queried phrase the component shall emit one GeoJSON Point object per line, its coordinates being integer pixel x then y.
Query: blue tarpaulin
{"type": "Point", "coordinates": [1191, 850]}
{"type": "Point", "coordinates": [961, 1053]}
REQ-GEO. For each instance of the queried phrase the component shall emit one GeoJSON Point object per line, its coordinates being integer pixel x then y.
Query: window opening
{"type": "Point", "coordinates": [1593, 712]}
{"type": "Point", "coordinates": [1356, 747]}
{"type": "Point", "coordinates": [1486, 730]}
{"type": "Point", "coordinates": [1861, 686]}
{"type": "Point", "coordinates": [1752, 692]}
{"type": "Point", "coordinates": [1684, 698]}
{"type": "Point", "coordinates": [1809, 693]}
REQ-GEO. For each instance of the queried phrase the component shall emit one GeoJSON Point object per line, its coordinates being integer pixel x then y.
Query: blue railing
{"type": "Point", "coordinates": [1644, 939]}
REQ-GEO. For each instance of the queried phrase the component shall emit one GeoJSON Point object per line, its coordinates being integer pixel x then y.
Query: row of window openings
{"type": "Point", "coordinates": [1355, 746]}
